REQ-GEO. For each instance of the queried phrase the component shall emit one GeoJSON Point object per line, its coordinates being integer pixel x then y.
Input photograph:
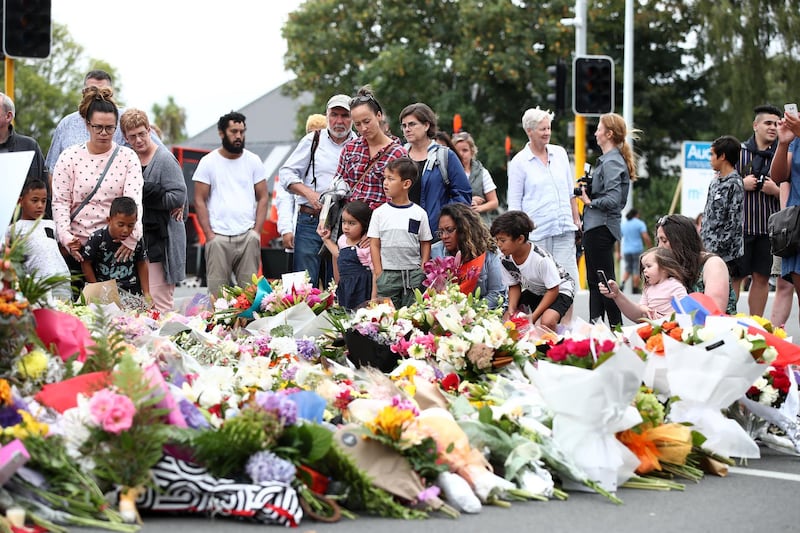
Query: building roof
{"type": "Point", "coordinates": [271, 123]}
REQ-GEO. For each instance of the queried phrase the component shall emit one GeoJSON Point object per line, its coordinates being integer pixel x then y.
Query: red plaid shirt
{"type": "Point", "coordinates": [353, 162]}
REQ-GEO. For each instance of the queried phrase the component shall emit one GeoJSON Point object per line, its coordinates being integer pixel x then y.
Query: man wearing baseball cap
{"type": "Point", "coordinates": [307, 173]}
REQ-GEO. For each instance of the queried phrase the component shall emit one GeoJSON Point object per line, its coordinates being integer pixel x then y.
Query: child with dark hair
{"type": "Point", "coordinates": [400, 236]}
{"type": "Point", "coordinates": [42, 255]}
{"type": "Point", "coordinates": [533, 277]}
{"type": "Point", "coordinates": [352, 260]}
{"type": "Point", "coordinates": [99, 260]}
{"type": "Point", "coordinates": [722, 228]}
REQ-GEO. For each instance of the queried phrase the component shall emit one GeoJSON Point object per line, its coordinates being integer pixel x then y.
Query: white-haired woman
{"type": "Point", "coordinates": [541, 184]}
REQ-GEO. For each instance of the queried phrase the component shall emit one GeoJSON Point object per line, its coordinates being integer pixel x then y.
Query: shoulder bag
{"type": "Point", "coordinates": [86, 200]}
{"type": "Point", "coordinates": [784, 232]}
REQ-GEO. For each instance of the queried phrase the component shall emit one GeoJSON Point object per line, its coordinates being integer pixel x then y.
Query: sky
{"type": "Point", "coordinates": [211, 56]}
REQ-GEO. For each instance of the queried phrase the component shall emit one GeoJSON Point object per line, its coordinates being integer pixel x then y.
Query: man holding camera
{"type": "Point", "coordinates": [540, 184]}
{"type": "Point", "coordinates": [761, 199]}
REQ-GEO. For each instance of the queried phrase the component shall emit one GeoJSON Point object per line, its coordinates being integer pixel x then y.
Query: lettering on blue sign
{"type": "Point", "coordinates": [693, 194]}
{"type": "Point", "coordinates": [697, 155]}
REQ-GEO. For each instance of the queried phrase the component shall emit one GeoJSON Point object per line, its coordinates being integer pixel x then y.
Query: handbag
{"type": "Point", "coordinates": [784, 232]}
{"type": "Point", "coordinates": [85, 201]}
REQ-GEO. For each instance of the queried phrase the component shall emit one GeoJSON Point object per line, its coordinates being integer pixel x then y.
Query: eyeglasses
{"type": "Point", "coordinates": [365, 99]}
{"type": "Point", "coordinates": [141, 135]}
{"type": "Point", "coordinates": [409, 125]}
{"type": "Point", "coordinates": [445, 231]}
{"type": "Point", "coordinates": [663, 220]}
{"type": "Point", "coordinates": [99, 128]}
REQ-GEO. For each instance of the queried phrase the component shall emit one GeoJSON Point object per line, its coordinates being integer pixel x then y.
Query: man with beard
{"type": "Point", "coordinates": [307, 173]}
{"type": "Point", "coordinates": [230, 197]}
{"type": "Point", "coordinates": [761, 199]}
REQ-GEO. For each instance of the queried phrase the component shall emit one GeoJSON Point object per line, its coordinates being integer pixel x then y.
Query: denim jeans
{"type": "Point", "coordinates": [307, 245]}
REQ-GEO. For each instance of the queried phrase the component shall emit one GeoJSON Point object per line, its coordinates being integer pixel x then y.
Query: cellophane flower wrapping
{"type": "Point", "coordinates": [590, 407]}
{"type": "Point", "coordinates": [707, 378]}
{"type": "Point", "coordinates": [784, 416]}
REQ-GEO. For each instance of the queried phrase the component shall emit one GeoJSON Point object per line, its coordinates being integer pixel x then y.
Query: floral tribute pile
{"type": "Point", "coordinates": [272, 403]}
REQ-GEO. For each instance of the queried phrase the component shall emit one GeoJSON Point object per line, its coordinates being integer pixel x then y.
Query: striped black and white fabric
{"type": "Point", "coordinates": [185, 487]}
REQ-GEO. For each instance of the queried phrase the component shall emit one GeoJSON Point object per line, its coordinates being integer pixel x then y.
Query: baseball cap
{"type": "Point", "coordinates": [339, 100]}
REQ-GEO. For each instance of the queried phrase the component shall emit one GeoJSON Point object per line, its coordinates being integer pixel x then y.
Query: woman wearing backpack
{"type": "Point", "coordinates": [442, 177]}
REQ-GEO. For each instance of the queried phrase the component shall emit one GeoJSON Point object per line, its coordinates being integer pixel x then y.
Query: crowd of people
{"type": "Point", "coordinates": [359, 206]}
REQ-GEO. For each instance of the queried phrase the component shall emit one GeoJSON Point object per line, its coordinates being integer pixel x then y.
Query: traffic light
{"type": "Point", "coordinates": [27, 28]}
{"type": "Point", "coordinates": [557, 86]}
{"type": "Point", "coordinates": [593, 85]}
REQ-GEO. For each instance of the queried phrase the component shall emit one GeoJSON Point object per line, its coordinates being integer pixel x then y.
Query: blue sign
{"type": "Point", "coordinates": [697, 154]}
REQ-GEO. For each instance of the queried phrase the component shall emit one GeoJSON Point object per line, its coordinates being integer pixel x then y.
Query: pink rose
{"type": "Point", "coordinates": [113, 412]}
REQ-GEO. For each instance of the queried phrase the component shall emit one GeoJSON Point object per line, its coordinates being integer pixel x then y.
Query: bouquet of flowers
{"type": "Point", "coordinates": [591, 405]}
{"type": "Point", "coordinates": [237, 302]}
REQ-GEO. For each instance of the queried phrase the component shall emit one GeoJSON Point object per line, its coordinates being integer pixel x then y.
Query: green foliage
{"type": "Point", "coordinates": [125, 459]}
{"type": "Point", "coordinates": [171, 119]}
{"type": "Point", "coordinates": [225, 451]}
{"type": "Point", "coordinates": [304, 444]}
{"type": "Point", "coordinates": [109, 346]}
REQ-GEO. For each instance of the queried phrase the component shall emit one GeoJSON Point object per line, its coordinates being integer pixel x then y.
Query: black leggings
{"type": "Point", "coordinates": [598, 247]}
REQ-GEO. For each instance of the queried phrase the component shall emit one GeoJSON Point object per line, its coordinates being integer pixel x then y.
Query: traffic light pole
{"type": "Point", "coordinates": [9, 88]}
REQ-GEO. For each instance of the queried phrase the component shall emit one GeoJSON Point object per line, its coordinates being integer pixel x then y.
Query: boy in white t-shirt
{"type": "Point", "coordinates": [42, 255]}
{"type": "Point", "coordinates": [533, 277]}
{"type": "Point", "coordinates": [400, 237]}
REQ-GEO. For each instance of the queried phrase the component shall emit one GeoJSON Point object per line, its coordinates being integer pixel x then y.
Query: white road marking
{"type": "Point", "coordinates": [764, 473]}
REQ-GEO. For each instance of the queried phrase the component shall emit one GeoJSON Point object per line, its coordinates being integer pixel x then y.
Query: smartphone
{"type": "Point", "coordinates": [601, 277]}
{"type": "Point", "coordinates": [790, 109]}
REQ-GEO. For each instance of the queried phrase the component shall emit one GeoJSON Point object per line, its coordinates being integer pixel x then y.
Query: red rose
{"type": "Point", "coordinates": [607, 346]}
{"type": "Point", "coordinates": [780, 380]}
{"type": "Point", "coordinates": [557, 353]}
{"type": "Point", "coordinates": [579, 348]}
{"type": "Point", "coordinates": [451, 382]}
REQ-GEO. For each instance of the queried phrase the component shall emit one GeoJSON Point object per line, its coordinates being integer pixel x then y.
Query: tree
{"type": "Point", "coordinates": [171, 119]}
{"type": "Point", "coordinates": [752, 48]}
{"type": "Point", "coordinates": [487, 59]}
{"type": "Point", "coordinates": [484, 60]}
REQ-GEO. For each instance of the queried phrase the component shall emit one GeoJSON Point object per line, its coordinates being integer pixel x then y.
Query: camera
{"type": "Point", "coordinates": [584, 182]}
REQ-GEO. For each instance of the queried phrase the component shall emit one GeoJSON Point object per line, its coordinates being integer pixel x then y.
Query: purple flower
{"type": "Point", "coordinates": [194, 418]}
{"type": "Point", "coordinates": [430, 493]}
{"type": "Point", "coordinates": [264, 466]}
{"type": "Point", "coordinates": [279, 404]}
{"type": "Point", "coordinates": [289, 373]}
{"type": "Point", "coordinates": [307, 349]}
{"type": "Point", "coordinates": [405, 404]}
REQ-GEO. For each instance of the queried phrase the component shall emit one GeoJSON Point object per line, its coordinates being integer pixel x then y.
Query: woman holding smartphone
{"type": "Point", "coordinates": [602, 214]}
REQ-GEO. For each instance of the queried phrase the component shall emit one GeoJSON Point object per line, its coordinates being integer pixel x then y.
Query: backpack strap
{"type": "Point", "coordinates": [436, 157]}
{"type": "Point", "coordinates": [311, 161]}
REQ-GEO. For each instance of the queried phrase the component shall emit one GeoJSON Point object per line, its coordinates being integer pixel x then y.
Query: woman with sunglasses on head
{"type": "Point", "coordinates": [87, 177]}
{"type": "Point", "coordinates": [363, 159]}
{"type": "Point", "coordinates": [484, 190]}
{"type": "Point", "coordinates": [461, 230]}
{"type": "Point", "coordinates": [602, 214]}
{"type": "Point", "coordinates": [709, 271]}
{"type": "Point", "coordinates": [437, 186]}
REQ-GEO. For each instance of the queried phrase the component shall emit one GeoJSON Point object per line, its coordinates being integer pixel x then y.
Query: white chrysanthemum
{"type": "Point", "coordinates": [417, 351]}
{"type": "Point", "coordinates": [768, 395]}
{"type": "Point", "coordinates": [770, 354]}
{"type": "Point", "coordinates": [283, 345]}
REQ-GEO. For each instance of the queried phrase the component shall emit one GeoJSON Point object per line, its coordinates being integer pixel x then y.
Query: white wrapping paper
{"type": "Point", "coordinates": [709, 377]}
{"type": "Point", "coordinates": [590, 407]}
